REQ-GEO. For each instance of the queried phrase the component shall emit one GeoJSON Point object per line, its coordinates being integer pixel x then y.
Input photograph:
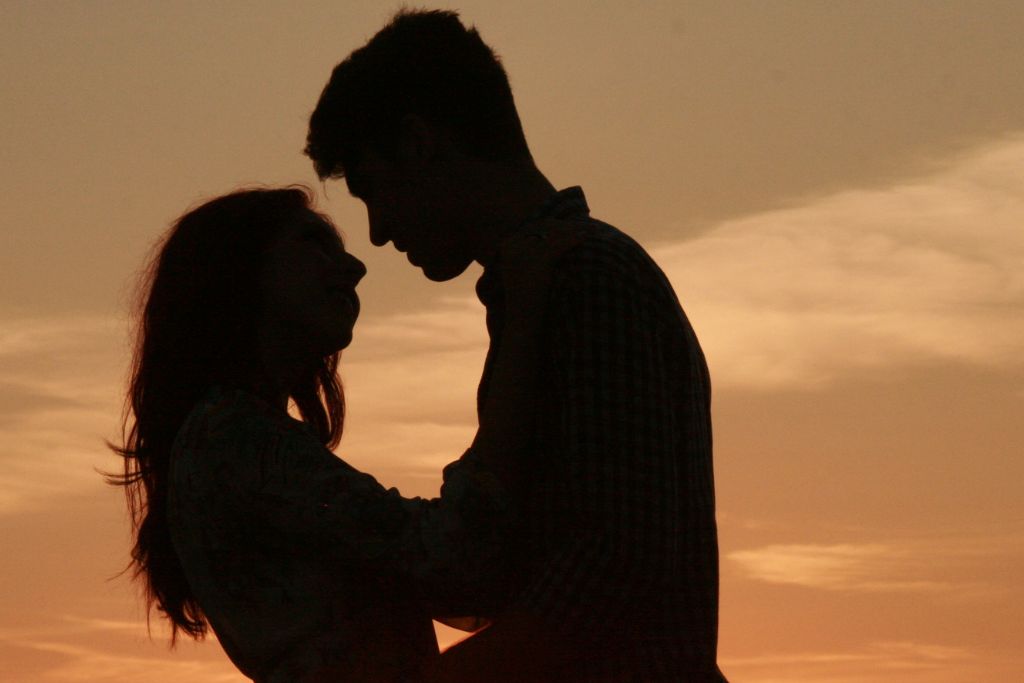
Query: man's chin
{"type": "Point", "coordinates": [443, 273]}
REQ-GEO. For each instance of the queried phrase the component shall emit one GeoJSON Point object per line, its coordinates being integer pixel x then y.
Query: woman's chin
{"type": "Point", "coordinates": [342, 339]}
{"type": "Point", "coordinates": [332, 337]}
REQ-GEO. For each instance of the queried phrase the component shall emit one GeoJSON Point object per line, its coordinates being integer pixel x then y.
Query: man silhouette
{"type": "Point", "coordinates": [616, 562]}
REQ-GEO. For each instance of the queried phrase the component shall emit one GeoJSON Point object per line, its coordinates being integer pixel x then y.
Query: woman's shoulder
{"type": "Point", "coordinates": [225, 412]}
{"type": "Point", "coordinates": [227, 422]}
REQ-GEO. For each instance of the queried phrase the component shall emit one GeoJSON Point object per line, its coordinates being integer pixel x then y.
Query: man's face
{"type": "Point", "coordinates": [414, 211]}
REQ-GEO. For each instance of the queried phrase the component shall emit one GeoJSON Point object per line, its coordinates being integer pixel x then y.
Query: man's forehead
{"type": "Point", "coordinates": [361, 167]}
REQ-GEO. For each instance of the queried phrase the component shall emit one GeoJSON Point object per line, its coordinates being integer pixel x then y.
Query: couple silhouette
{"type": "Point", "coordinates": [576, 534]}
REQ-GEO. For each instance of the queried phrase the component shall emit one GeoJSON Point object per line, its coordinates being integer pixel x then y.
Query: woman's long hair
{"type": "Point", "coordinates": [197, 317]}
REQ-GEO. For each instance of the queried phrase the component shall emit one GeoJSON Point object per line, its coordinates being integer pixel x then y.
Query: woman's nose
{"type": "Point", "coordinates": [355, 270]}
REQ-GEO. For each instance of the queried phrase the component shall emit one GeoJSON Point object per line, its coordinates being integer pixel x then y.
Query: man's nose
{"type": "Point", "coordinates": [378, 234]}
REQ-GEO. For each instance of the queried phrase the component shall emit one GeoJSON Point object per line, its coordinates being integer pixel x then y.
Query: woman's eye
{"type": "Point", "coordinates": [316, 238]}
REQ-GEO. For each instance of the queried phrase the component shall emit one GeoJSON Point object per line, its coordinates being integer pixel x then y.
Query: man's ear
{"type": "Point", "coordinates": [418, 142]}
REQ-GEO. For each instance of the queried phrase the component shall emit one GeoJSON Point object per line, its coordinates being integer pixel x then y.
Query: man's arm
{"type": "Point", "coordinates": [507, 418]}
{"type": "Point", "coordinates": [520, 647]}
{"type": "Point", "coordinates": [526, 262]}
{"type": "Point", "coordinates": [615, 439]}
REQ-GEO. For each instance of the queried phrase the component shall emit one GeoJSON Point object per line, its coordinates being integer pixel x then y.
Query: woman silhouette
{"type": "Point", "coordinates": [245, 522]}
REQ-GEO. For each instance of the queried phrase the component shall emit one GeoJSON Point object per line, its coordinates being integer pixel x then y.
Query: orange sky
{"type": "Point", "coordinates": [835, 189]}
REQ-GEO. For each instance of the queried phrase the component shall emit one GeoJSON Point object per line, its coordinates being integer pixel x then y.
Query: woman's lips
{"type": "Point", "coordinates": [347, 297]}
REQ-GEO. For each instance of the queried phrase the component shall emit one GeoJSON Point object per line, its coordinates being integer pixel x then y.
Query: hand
{"type": "Point", "coordinates": [527, 258]}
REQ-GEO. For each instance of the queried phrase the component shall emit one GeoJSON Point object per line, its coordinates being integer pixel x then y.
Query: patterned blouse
{"type": "Point", "coordinates": [302, 563]}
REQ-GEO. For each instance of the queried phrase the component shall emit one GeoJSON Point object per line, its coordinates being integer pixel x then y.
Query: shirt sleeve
{"type": "Point", "coordinates": [613, 435]}
{"type": "Point", "coordinates": [311, 501]}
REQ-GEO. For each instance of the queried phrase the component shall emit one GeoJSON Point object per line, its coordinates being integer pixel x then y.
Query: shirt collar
{"type": "Point", "coordinates": [567, 203]}
{"type": "Point", "coordinates": [563, 204]}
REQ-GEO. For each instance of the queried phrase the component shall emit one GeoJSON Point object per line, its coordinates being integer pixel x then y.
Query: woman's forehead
{"type": "Point", "coordinates": [311, 219]}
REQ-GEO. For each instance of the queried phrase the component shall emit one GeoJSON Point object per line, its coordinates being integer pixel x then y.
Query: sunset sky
{"type": "Point", "coordinates": [835, 189]}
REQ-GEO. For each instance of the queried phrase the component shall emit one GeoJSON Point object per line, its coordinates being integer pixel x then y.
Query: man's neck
{"type": "Point", "coordinates": [508, 198]}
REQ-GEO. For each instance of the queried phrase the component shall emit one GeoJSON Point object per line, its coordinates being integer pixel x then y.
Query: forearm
{"type": "Point", "coordinates": [454, 545]}
{"type": "Point", "coordinates": [520, 647]}
{"type": "Point", "coordinates": [556, 623]}
{"type": "Point", "coordinates": [507, 415]}
{"type": "Point", "coordinates": [526, 262]}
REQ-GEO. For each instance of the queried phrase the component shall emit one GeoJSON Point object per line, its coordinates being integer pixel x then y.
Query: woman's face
{"type": "Point", "coordinates": [309, 288]}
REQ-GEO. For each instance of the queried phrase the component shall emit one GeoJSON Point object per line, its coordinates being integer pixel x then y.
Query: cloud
{"type": "Point", "coordinates": [81, 663]}
{"type": "Point", "coordinates": [410, 381]}
{"type": "Point", "coordinates": [451, 324]}
{"type": "Point", "coordinates": [62, 353]}
{"type": "Point", "coordinates": [73, 648]}
{"type": "Point", "coordinates": [94, 624]}
{"type": "Point", "coordinates": [410, 384]}
{"type": "Point", "coordinates": [18, 400]}
{"type": "Point", "coordinates": [896, 661]}
{"type": "Point", "coordinates": [61, 391]}
{"type": "Point", "coordinates": [901, 650]}
{"type": "Point", "coordinates": [834, 567]}
{"type": "Point", "coordinates": [960, 568]}
{"type": "Point", "coordinates": [929, 270]}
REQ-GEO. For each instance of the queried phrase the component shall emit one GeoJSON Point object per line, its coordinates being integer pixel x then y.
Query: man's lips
{"type": "Point", "coordinates": [402, 248]}
{"type": "Point", "coordinates": [405, 250]}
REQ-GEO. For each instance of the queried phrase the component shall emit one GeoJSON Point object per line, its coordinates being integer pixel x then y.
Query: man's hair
{"type": "Point", "coordinates": [424, 63]}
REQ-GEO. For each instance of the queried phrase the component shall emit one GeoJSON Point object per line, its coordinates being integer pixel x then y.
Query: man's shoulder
{"type": "Point", "coordinates": [609, 265]}
{"type": "Point", "coordinates": [607, 251]}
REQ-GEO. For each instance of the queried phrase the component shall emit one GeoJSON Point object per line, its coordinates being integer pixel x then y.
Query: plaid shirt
{"type": "Point", "coordinates": [618, 545]}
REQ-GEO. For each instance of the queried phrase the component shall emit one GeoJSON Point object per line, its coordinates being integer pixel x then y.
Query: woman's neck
{"type": "Point", "coordinates": [281, 371]}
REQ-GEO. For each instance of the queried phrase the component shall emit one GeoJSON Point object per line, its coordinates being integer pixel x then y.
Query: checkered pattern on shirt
{"type": "Point", "coordinates": [619, 536]}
